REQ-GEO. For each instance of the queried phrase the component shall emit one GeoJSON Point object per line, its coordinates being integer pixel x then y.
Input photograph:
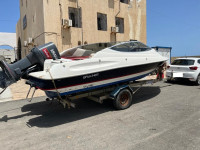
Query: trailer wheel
{"type": "Point", "coordinates": [123, 100]}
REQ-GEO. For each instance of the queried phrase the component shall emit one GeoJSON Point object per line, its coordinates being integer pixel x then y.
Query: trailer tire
{"type": "Point", "coordinates": [123, 100]}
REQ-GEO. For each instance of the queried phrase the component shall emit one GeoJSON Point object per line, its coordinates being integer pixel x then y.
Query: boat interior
{"type": "Point", "coordinates": [87, 51]}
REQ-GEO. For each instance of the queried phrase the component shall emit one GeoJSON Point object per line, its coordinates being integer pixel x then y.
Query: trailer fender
{"type": "Point", "coordinates": [115, 92]}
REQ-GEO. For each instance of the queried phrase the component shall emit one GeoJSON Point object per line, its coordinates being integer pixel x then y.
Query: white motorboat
{"type": "Point", "coordinates": [82, 68]}
{"type": "Point", "coordinates": [94, 66]}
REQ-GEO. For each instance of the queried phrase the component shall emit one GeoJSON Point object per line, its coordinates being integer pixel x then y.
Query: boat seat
{"type": "Point", "coordinates": [81, 52]}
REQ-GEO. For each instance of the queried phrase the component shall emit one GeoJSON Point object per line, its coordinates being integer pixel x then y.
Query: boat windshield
{"type": "Point", "coordinates": [131, 47]}
{"type": "Point", "coordinates": [98, 46]}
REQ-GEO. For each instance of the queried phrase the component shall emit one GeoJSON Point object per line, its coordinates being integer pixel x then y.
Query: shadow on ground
{"type": "Point", "coordinates": [146, 93]}
{"type": "Point", "coordinates": [45, 115]}
{"type": "Point", "coordinates": [183, 82]}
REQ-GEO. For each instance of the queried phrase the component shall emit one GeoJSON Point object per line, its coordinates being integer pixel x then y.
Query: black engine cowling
{"type": "Point", "coordinates": [34, 61]}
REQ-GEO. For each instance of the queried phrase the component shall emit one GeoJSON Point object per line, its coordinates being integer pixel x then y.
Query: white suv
{"type": "Point", "coordinates": [188, 68]}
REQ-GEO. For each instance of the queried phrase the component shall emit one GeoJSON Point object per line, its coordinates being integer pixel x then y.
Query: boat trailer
{"type": "Point", "coordinates": [121, 95]}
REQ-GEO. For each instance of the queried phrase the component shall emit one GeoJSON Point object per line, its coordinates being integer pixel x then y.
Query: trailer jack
{"type": "Point", "coordinates": [31, 86]}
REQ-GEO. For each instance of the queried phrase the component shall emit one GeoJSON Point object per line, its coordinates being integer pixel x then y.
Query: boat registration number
{"type": "Point", "coordinates": [90, 76]}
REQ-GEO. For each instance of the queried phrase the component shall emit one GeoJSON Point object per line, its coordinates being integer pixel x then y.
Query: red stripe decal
{"type": "Point", "coordinates": [46, 52]}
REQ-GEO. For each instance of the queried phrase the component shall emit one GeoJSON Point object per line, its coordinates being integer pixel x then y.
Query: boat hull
{"type": "Point", "coordinates": [85, 82]}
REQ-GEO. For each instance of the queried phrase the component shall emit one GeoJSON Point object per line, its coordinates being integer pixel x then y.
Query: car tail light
{"type": "Point", "coordinates": [194, 68]}
{"type": "Point", "coordinates": [168, 67]}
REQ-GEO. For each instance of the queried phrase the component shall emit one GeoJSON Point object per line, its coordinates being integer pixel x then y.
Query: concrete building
{"type": "Point", "coordinates": [8, 46]}
{"type": "Point", "coordinates": [69, 23]}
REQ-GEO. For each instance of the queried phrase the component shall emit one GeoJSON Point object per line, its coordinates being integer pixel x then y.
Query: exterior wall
{"type": "Point", "coordinates": [35, 24]}
{"type": "Point", "coordinates": [140, 30]}
{"type": "Point", "coordinates": [52, 22]}
{"type": "Point", "coordinates": [49, 14]}
{"type": "Point", "coordinates": [8, 46]}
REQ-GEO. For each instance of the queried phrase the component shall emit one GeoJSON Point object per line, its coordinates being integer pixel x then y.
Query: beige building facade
{"type": "Point", "coordinates": [69, 23]}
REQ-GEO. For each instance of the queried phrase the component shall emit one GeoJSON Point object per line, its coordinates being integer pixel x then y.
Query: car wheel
{"type": "Point", "coordinates": [198, 80]}
{"type": "Point", "coordinates": [123, 99]}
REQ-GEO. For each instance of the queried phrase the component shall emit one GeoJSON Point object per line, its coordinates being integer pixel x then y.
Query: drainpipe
{"type": "Point", "coordinates": [116, 16]}
{"type": "Point", "coordinates": [119, 9]}
{"type": "Point", "coordinates": [61, 17]}
{"type": "Point", "coordinates": [61, 13]}
{"type": "Point", "coordinates": [81, 22]}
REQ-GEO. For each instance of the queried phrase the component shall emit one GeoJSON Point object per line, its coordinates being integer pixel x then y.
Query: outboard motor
{"type": "Point", "coordinates": [34, 61]}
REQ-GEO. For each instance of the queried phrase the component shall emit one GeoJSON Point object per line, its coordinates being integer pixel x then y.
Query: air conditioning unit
{"type": "Point", "coordinates": [66, 23]}
{"type": "Point", "coordinates": [114, 29]}
{"type": "Point", "coordinates": [25, 43]}
{"type": "Point", "coordinates": [30, 40]}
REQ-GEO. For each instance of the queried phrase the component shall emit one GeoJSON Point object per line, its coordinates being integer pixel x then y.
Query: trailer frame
{"type": "Point", "coordinates": [111, 92]}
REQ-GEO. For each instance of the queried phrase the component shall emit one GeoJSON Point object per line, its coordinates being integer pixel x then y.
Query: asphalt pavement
{"type": "Point", "coordinates": [164, 116]}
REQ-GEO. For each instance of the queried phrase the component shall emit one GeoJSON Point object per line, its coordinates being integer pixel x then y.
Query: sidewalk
{"type": "Point", "coordinates": [18, 91]}
{"type": "Point", "coordinates": [6, 95]}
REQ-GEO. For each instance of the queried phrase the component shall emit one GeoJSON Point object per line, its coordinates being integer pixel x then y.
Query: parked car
{"type": "Point", "coordinates": [184, 68]}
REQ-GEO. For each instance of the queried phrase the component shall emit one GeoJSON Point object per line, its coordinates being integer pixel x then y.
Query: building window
{"type": "Point", "coordinates": [24, 22]}
{"type": "Point", "coordinates": [75, 16]}
{"type": "Point", "coordinates": [125, 1]}
{"type": "Point", "coordinates": [102, 22]}
{"type": "Point", "coordinates": [22, 2]}
{"type": "Point", "coordinates": [120, 23]}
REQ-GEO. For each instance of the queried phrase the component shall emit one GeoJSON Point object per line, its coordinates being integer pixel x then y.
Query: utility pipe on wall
{"type": "Point", "coordinates": [119, 10]}
{"type": "Point", "coordinates": [81, 21]}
